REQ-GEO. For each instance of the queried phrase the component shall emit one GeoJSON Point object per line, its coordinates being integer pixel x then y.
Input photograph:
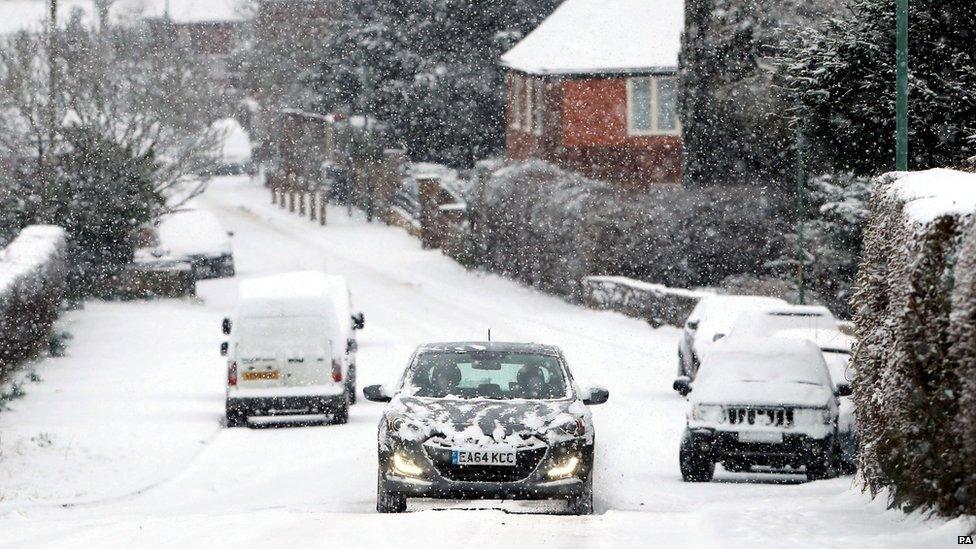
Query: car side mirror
{"type": "Point", "coordinates": [596, 395]}
{"type": "Point", "coordinates": [224, 346]}
{"type": "Point", "coordinates": [358, 321]}
{"type": "Point", "coordinates": [683, 385]}
{"type": "Point", "coordinates": [717, 337]}
{"type": "Point", "coordinates": [376, 393]}
{"type": "Point", "coordinates": [230, 234]}
{"type": "Point", "coordinates": [692, 324]}
{"type": "Point", "coordinates": [225, 326]}
{"type": "Point", "coordinates": [843, 390]}
{"type": "Point", "coordinates": [351, 346]}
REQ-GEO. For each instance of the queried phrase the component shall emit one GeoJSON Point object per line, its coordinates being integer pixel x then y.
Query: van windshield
{"type": "Point", "coordinates": [271, 337]}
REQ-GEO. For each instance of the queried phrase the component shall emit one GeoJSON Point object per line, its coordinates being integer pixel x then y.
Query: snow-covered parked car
{"type": "Point", "coordinates": [766, 402]}
{"type": "Point", "coordinates": [196, 236]}
{"type": "Point", "coordinates": [349, 321]}
{"type": "Point", "coordinates": [836, 348]}
{"type": "Point", "coordinates": [486, 421]}
{"type": "Point", "coordinates": [286, 358]}
{"type": "Point", "coordinates": [770, 320]}
{"type": "Point", "coordinates": [710, 320]}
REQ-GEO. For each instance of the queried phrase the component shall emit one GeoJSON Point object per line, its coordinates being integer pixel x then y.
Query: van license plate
{"type": "Point", "coordinates": [252, 376]}
{"type": "Point", "coordinates": [483, 457]}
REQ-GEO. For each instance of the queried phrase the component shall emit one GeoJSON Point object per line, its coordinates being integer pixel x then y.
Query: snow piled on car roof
{"type": "Point", "coordinates": [193, 232]}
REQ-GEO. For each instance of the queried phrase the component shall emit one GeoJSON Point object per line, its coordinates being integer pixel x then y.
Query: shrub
{"type": "Point", "coordinates": [915, 342]}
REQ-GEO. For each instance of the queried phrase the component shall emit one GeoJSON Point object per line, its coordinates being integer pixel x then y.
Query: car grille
{"type": "Point", "coordinates": [775, 417]}
{"type": "Point", "coordinates": [526, 461]}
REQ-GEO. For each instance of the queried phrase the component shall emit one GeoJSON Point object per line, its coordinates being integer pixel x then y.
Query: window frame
{"type": "Point", "coordinates": [654, 130]}
{"type": "Point", "coordinates": [517, 88]}
{"type": "Point", "coordinates": [539, 96]}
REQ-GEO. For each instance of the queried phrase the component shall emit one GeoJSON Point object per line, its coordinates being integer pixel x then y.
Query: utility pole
{"type": "Point", "coordinates": [46, 162]}
{"type": "Point", "coordinates": [801, 212]}
{"type": "Point", "coordinates": [901, 107]}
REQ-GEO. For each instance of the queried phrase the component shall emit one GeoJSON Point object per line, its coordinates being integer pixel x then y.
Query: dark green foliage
{"type": "Point", "coordinates": [844, 75]}
{"type": "Point", "coordinates": [429, 69]}
{"type": "Point", "coordinates": [103, 191]}
{"type": "Point", "coordinates": [735, 131]}
{"type": "Point", "coordinates": [550, 228]}
{"type": "Point", "coordinates": [914, 345]}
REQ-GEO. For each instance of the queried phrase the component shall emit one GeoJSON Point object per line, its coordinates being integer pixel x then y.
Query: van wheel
{"type": "Point", "coordinates": [388, 501]}
{"type": "Point", "coordinates": [351, 385]}
{"type": "Point", "coordinates": [236, 418]}
{"type": "Point", "coordinates": [341, 416]}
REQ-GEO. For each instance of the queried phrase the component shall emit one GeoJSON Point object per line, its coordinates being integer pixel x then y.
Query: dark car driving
{"type": "Point", "coordinates": [486, 421]}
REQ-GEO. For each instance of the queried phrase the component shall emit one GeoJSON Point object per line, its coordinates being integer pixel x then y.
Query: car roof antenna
{"type": "Point", "coordinates": [489, 334]}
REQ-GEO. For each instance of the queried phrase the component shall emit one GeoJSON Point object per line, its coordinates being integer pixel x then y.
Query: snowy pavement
{"type": "Point", "coordinates": [121, 442]}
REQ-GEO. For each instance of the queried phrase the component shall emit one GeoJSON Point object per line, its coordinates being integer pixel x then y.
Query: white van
{"type": "Point", "coordinates": [286, 357]}
{"type": "Point", "coordinates": [349, 322]}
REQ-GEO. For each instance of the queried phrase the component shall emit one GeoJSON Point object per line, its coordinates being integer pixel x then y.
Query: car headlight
{"type": "Point", "coordinates": [400, 424]}
{"type": "Point", "coordinates": [710, 413]}
{"type": "Point", "coordinates": [564, 469]}
{"type": "Point", "coordinates": [813, 416]}
{"type": "Point", "coordinates": [570, 426]}
{"type": "Point", "coordinates": [404, 466]}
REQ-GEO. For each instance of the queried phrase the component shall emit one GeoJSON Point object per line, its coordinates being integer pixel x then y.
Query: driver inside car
{"type": "Point", "coordinates": [445, 377]}
{"type": "Point", "coordinates": [532, 382]}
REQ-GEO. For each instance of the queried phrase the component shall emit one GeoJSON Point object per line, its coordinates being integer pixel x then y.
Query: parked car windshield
{"type": "Point", "coordinates": [489, 374]}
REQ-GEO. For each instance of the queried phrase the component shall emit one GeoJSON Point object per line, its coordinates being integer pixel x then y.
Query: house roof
{"type": "Point", "coordinates": [603, 37]}
{"type": "Point", "coordinates": [31, 15]}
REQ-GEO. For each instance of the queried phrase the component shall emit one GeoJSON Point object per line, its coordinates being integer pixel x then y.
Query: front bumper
{"type": "Point", "coordinates": [286, 405]}
{"type": "Point", "coordinates": [797, 449]}
{"type": "Point", "coordinates": [434, 482]}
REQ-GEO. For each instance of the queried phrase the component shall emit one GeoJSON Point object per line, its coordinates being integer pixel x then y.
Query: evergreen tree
{"type": "Point", "coordinates": [844, 74]}
{"type": "Point", "coordinates": [429, 69]}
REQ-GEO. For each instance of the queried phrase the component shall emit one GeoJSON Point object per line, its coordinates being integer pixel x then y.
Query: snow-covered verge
{"type": "Point", "coordinates": [32, 285]}
{"type": "Point", "coordinates": [915, 317]}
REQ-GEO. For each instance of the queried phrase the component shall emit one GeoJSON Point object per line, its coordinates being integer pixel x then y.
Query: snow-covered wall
{"type": "Point", "coordinates": [915, 319]}
{"type": "Point", "coordinates": [32, 285]}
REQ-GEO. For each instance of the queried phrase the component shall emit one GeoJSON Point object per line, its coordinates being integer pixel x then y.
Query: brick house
{"type": "Point", "coordinates": [594, 89]}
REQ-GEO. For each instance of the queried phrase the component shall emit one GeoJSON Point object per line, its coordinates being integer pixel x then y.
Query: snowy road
{"type": "Point", "coordinates": [121, 443]}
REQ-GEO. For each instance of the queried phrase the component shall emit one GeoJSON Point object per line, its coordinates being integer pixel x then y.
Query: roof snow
{"type": "Point", "coordinates": [32, 15]}
{"type": "Point", "coordinates": [603, 36]}
{"type": "Point", "coordinates": [931, 194]}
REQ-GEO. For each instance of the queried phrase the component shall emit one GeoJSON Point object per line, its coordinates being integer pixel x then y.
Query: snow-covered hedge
{"type": "Point", "coordinates": [32, 285]}
{"type": "Point", "coordinates": [915, 317]}
{"type": "Point", "coordinates": [657, 303]}
{"type": "Point", "coordinates": [551, 228]}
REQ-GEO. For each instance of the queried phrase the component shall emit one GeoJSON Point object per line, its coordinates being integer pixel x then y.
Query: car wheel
{"type": "Point", "coordinates": [388, 501]}
{"type": "Point", "coordinates": [695, 467]}
{"type": "Point", "coordinates": [822, 467]}
{"type": "Point", "coordinates": [583, 503]}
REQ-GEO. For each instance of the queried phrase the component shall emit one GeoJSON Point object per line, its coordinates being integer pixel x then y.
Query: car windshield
{"type": "Point", "coordinates": [754, 368]}
{"type": "Point", "coordinates": [488, 374]}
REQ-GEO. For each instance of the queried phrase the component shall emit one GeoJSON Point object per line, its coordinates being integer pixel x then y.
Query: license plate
{"type": "Point", "coordinates": [483, 457]}
{"type": "Point", "coordinates": [761, 436]}
{"type": "Point", "coordinates": [252, 376]}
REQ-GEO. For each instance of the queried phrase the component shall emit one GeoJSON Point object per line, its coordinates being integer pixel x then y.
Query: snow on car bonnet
{"type": "Point", "coordinates": [193, 232]}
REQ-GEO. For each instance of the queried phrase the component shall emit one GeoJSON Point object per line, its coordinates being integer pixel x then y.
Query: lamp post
{"type": "Point", "coordinates": [801, 212]}
{"type": "Point", "coordinates": [901, 103]}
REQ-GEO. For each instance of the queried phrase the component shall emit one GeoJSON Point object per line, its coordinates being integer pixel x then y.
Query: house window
{"type": "Point", "coordinates": [516, 102]}
{"type": "Point", "coordinates": [540, 98]}
{"type": "Point", "coordinates": [652, 106]}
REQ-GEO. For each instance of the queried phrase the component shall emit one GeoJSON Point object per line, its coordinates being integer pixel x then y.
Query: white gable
{"type": "Point", "coordinates": [603, 36]}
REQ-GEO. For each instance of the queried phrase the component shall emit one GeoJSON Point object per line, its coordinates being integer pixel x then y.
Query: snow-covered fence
{"type": "Point", "coordinates": [915, 317]}
{"type": "Point", "coordinates": [656, 303]}
{"type": "Point", "coordinates": [32, 285]}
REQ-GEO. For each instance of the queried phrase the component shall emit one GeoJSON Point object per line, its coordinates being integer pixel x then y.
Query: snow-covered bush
{"type": "Point", "coordinates": [550, 228]}
{"type": "Point", "coordinates": [32, 285]}
{"type": "Point", "coordinates": [913, 311]}
{"type": "Point", "coordinates": [656, 303]}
